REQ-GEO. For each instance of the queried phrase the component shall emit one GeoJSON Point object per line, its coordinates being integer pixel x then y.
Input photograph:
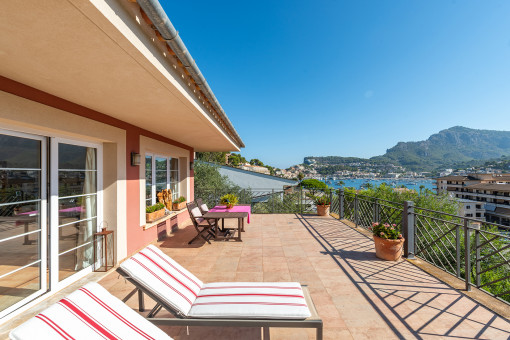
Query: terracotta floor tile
{"type": "Point", "coordinates": [357, 295]}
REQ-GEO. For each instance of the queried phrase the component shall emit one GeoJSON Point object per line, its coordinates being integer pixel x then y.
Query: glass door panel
{"type": "Point", "coordinates": [22, 219]}
{"type": "Point", "coordinates": [76, 212]}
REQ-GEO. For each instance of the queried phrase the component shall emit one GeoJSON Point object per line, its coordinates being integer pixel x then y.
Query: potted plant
{"type": "Point", "coordinates": [179, 203]}
{"type": "Point", "coordinates": [154, 212]}
{"type": "Point", "coordinates": [389, 243]}
{"type": "Point", "coordinates": [229, 200]}
{"type": "Point", "coordinates": [322, 203]}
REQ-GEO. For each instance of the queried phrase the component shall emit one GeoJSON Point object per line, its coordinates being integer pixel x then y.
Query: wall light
{"type": "Point", "coordinates": [135, 159]}
{"type": "Point", "coordinates": [191, 165]}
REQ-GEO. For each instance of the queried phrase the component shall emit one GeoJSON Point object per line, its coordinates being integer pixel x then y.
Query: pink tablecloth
{"type": "Point", "coordinates": [236, 208]}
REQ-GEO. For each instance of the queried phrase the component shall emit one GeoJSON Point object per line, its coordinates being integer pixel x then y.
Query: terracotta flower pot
{"type": "Point", "coordinates": [390, 250]}
{"type": "Point", "coordinates": [230, 206]}
{"type": "Point", "coordinates": [323, 210]}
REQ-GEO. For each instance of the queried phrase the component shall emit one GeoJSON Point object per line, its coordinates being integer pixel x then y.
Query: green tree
{"type": "Point", "coordinates": [235, 159]}
{"type": "Point", "coordinates": [256, 161]}
{"type": "Point", "coordinates": [212, 157]}
{"type": "Point", "coordinates": [313, 185]}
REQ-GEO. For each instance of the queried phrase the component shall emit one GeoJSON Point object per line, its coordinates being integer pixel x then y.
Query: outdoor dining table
{"type": "Point", "coordinates": [217, 215]}
{"type": "Point", "coordinates": [235, 208]}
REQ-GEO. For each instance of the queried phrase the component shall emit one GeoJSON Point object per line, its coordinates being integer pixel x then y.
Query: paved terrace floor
{"type": "Point", "coordinates": [357, 295]}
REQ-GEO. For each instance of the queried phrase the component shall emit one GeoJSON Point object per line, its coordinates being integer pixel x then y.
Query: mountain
{"type": "Point", "coordinates": [449, 147]}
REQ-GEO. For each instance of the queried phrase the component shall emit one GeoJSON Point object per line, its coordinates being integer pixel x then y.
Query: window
{"type": "Point", "coordinates": [468, 207]}
{"type": "Point", "coordinates": [469, 215]}
{"type": "Point", "coordinates": [148, 180]}
{"type": "Point", "coordinates": [478, 215]}
{"type": "Point", "coordinates": [478, 206]}
{"type": "Point", "coordinates": [160, 173]}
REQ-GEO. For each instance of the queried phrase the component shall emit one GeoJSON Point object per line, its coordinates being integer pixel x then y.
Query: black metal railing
{"type": "Point", "coordinates": [475, 251]}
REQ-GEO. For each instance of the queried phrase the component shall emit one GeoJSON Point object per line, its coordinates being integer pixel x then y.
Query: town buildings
{"type": "Point", "coordinates": [485, 196]}
{"type": "Point", "coordinates": [101, 106]}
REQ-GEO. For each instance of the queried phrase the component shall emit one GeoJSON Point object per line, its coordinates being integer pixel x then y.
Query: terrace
{"type": "Point", "coordinates": [356, 295]}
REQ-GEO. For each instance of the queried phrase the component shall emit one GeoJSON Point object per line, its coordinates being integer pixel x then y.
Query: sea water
{"type": "Point", "coordinates": [358, 183]}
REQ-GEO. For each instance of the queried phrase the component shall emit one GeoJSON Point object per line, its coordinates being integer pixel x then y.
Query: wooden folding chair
{"type": "Point", "coordinates": [205, 229]}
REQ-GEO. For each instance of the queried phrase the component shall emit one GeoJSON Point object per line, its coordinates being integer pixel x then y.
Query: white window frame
{"type": "Point", "coordinates": [168, 177]}
{"type": "Point", "coordinates": [54, 258]}
{"type": "Point", "coordinates": [43, 248]}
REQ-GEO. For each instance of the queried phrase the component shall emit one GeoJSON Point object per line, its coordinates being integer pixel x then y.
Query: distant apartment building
{"type": "Point", "coordinates": [480, 195]}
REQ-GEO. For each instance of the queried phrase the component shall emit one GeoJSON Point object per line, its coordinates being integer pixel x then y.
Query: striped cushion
{"type": "Point", "coordinates": [251, 300]}
{"type": "Point", "coordinates": [164, 277]}
{"type": "Point", "coordinates": [88, 313]}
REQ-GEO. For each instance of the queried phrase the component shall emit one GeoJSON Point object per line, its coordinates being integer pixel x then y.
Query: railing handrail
{"type": "Point", "coordinates": [474, 250]}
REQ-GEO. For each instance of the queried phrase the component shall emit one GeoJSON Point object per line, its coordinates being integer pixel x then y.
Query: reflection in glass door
{"type": "Point", "coordinates": [74, 211]}
{"type": "Point", "coordinates": [22, 219]}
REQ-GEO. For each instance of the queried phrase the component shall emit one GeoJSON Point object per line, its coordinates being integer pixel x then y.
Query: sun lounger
{"type": "Point", "coordinates": [239, 304]}
{"type": "Point", "coordinates": [89, 313]}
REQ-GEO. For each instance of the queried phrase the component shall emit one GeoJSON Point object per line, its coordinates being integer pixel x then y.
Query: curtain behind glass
{"type": "Point", "coordinates": [87, 229]}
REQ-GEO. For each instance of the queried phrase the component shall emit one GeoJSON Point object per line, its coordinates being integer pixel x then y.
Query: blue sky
{"type": "Point", "coordinates": [349, 78]}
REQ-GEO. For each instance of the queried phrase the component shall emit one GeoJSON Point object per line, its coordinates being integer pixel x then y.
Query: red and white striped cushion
{"type": "Point", "coordinates": [164, 277]}
{"type": "Point", "coordinates": [251, 300]}
{"type": "Point", "coordinates": [88, 313]}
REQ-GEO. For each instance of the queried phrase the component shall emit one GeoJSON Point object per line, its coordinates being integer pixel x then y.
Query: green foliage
{"type": "Point", "coordinates": [212, 157]}
{"type": "Point", "coordinates": [386, 231]}
{"type": "Point", "coordinates": [208, 176]}
{"type": "Point", "coordinates": [436, 233]}
{"type": "Point", "coordinates": [180, 200]}
{"type": "Point", "coordinates": [235, 159]}
{"type": "Point", "coordinates": [424, 199]}
{"type": "Point", "coordinates": [229, 199]}
{"type": "Point", "coordinates": [255, 161]}
{"type": "Point", "coordinates": [279, 203]}
{"type": "Point", "coordinates": [155, 207]}
{"type": "Point", "coordinates": [313, 184]}
{"type": "Point", "coordinates": [320, 199]}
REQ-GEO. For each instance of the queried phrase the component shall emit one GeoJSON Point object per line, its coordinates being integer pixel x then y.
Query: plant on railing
{"type": "Point", "coordinates": [386, 231]}
{"type": "Point", "coordinates": [229, 200]}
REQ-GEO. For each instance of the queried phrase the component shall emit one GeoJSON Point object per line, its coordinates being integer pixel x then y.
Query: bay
{"type": "Point", "coordinates": [357, 183]}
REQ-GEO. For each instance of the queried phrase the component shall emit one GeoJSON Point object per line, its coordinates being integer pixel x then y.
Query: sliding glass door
{"type": "Point", "coordinates": [74, 207]}
{"type": "Point", "coordinates": [23, 228]}
{"type": "Point", "coordinates": [74, 214]}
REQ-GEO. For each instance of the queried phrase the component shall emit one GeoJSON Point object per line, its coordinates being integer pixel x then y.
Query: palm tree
{"type": "Point", "coordinates": [421, 188]}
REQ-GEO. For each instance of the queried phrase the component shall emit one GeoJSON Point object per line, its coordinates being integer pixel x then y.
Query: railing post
{"type": "Point", "coordinates": [341, 198]}
{"type": "Point", "coordinates": [301, 199]}
{"type": "Point", "coordinates": [477, 258]}
{"type": "Point", "coordinates": [356, 209]}
{"type": "Point", "coordinates": [376, 211]}
{"type": "Point", "coordinates": [408, 229]}
{"type": "Point", "coordinates": [272, 200]}
{"type": "Point", "coordinates": [330, 200]}
{"type": "Point", "coordinates": [457, 249]}
{"type": "Point", "coordinates": [467, 257]}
